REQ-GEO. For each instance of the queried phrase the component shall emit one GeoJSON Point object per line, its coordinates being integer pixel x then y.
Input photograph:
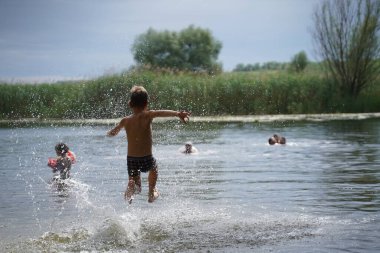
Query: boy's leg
{"type": "Point", "coordinates": [130, 189]}
{"type": "Point", "coordinates": [137, 184]}
{"type": "Point", "coordinates": [152, 179]}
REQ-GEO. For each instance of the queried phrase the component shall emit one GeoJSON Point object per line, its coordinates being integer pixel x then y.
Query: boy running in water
{"type": "Point", "coordinates": [138, 127]}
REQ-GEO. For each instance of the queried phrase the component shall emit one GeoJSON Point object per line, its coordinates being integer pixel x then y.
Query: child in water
{"type": "Point", "coordinates": [276, 139]}
{"type": "Point", "coordinates": [138, 127]}
{"type": "Point", "coordinates": [188, 149]}
{"type": "Point", "coordinates": [65, 158]}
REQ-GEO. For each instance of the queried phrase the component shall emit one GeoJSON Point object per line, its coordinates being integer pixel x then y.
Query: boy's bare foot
{"type": "Point", "coordinates": [138, 189]}
{"type": "Point", "coordinates": [153, 196]}
{"type": "Point", "coordinates": [128, 196]}
{"type": "Point", "coordinates": [130, 199]}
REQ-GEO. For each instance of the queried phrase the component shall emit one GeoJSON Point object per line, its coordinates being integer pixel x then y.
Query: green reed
{"type": "Point", "coordinates": [275, 92]}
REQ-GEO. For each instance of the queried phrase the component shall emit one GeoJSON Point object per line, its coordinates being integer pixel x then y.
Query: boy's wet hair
{"type": "Point", "coordinates": [61, 148]}
{"type": "Point", "coordinates": [139, 97]}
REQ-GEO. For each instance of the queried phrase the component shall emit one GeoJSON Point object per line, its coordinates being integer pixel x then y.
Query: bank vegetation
{"type": "Point", "coordinates": [230, 93]}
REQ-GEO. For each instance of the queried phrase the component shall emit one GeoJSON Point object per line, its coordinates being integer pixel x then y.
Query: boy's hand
{"type": "Point", "coordinates": [184, 116]}
{"type": "Point", "coordinates": [111, 133]}
{"type": "Point", "coordinates": [117, 128]}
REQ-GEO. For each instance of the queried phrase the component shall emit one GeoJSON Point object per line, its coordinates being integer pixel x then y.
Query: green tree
{"type": "Point", "coordinates": [158, 49]}
{"type": "Point", "coordinates": [273, 65]}
{"type": "Point", "coordinates": [299, 62]}
{"type": "Point", "coordinates": [239, 67]}
{"type": "Point", "coordinates": [346, 34]}
{"type": "Point", "coordinates": [192, 49]}
{"type": "Point", "coordinates": [249, 67]}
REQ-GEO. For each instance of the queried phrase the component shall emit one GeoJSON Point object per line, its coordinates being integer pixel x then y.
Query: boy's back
{"type": "Point", "coordinates": [139, 134]}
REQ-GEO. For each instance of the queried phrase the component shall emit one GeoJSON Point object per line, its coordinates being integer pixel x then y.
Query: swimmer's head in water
{"type": "Point", "coordinates": [276, 137]}
{"type": "Point", "coordinates": [272, 141]}
{"type": "Point", "coordinates": [61, 148]}
{"type": "Point", "coordinates": [188, 147]}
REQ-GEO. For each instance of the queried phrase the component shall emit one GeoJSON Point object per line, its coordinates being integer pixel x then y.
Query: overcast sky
{"type": "Point", "coordinates": [58, 39]}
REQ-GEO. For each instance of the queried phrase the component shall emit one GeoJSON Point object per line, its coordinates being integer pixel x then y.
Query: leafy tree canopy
{"type": "Point", "coordinates": [346, 34]}
{"type": "Point", "coordinates": [299, 62]}
{"type": "Point", "coordinates": [271, 65]}
{"type": "Point", "coordinates": [192, 49]}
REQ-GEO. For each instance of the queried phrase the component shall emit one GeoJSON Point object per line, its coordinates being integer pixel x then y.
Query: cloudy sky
{"type": "Point", "coordinates": [63, 39]}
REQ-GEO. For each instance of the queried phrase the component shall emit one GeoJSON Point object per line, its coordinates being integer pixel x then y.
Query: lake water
{"type": "Point", "coordinates": [318, 193]}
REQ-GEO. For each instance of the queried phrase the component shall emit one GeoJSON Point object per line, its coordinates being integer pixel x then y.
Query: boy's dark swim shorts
{"type": "Point", "coordinates": [140, 164]}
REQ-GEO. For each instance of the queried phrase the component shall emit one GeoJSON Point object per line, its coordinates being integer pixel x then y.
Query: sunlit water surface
{"type": "Point", "coordinates": [318, 193]}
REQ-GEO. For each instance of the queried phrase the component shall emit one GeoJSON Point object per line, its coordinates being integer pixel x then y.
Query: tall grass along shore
{"type": "Point", "coordinates": [237, 93]}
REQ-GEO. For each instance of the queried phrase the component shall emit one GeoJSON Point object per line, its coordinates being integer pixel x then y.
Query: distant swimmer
{"type": "Point", "coordinates": [62, 163]}
{"type": "Point", "coordinates": [188, 149]}
{"type": "Point", "coordinates": [276, 139]}
{"type": "Point", "coordinates": [138, 127]}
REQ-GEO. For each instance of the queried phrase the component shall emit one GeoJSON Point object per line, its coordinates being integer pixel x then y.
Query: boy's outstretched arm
{"type": "Point", "coordinates": [117, 128]}
{"type": "Point", "coordinates": [183, 115]}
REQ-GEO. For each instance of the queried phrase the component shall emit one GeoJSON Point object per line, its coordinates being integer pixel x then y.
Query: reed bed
{"type": "Point", "coordinates": [236, 93]}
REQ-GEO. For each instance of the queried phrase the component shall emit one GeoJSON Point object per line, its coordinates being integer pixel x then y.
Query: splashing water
{"type": "Point", "coordinates": [238, 194]}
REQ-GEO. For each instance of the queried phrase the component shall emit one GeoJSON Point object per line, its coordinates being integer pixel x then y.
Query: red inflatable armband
{"type": "Point", "coordinates": [52, 162]}
{"type": "Point", "coordinates": [72, 156]}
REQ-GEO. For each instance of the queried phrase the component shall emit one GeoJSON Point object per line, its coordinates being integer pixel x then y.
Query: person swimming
{"type": "Point", "coordinates": [276, 139]}
{"type": "Point", "coordinates": [188, 148]}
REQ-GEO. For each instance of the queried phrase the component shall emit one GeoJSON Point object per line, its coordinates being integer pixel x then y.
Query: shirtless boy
{"type": "Point", "coordinates": [138, 127]}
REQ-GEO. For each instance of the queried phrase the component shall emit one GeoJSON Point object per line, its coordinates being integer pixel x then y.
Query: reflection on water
{"type": "Point", "coordinates": [320, 190]}
{"type": "Point", "coordinates": [354, 165]}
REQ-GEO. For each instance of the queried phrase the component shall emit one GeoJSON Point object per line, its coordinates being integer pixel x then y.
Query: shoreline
{"type": "Point", "coordinates": [206, 119]}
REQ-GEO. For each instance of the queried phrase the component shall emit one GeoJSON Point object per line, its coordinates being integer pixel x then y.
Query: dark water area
{"type": "Point", "coordinates": [318, 193]}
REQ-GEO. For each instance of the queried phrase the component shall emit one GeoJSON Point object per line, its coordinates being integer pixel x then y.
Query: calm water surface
{"type": "Point", "coordinates": [318, 193]}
